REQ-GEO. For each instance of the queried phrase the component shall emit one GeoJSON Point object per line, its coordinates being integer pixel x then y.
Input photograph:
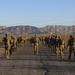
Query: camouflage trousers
{"type": "Point", "coordinates": [71, 50]}
{"type": "Point", "coordinates": [7, 52]}
{"type": "Point", "coordinates": [57, 50]}
{"type": "Point", "coordinates": [61, 51]}
{"type": "Point", "coordinates": [36, 48]}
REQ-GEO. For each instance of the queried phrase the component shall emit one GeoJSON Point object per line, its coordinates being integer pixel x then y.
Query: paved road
{"type": "Point", "coordinates": [24, 62]}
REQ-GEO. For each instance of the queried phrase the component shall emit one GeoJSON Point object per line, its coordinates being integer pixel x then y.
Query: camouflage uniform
{"type": "Point", "coordinates": [15, 44]}
{"type": "Point", "coordinates": [56, 46]}
{"type": "Point", "coordinates": [70, 45]}
{"type": "Point", "coordinates": [43, 40]}
{"type": "Point", "coordinates": [7, 45]}
{"type": "Point", "coordinates": [22, 41]}
{"type": "Point", "coordinates": [36, 43]}
{"type": "Point", "coordinates": [62, 46]}
{"type": "Point", "coordinates": [18, 41]}
{"type": "Point", "coordinates": [12, 44]}
{"type": "Point", "coordinates": [49, 42]}
{"type": "Point", "coordinates": [74, 48]}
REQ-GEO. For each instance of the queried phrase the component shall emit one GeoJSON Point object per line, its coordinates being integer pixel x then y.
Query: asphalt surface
{"type": "Point", "coordinates": [25, 62]}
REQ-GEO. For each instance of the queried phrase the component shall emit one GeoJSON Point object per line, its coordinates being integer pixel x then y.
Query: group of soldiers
{"type": "Point", "coordinates": [54, 43]}
{"type": "Point", "coordinates": [11, 43]}
{"type": "Point", "coordinates": [57, 44]}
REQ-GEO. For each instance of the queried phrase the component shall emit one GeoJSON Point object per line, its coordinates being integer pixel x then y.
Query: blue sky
{"type": "Point", "coordinates": [37, 13]}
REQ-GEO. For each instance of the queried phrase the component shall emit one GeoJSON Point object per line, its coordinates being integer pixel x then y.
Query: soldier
{"type": "Point", "coordinates": [61, 46]}
{"type": "Point", "coordinates": [49, 42]}
{"type": "Point", "coordinates": [7, 45]}
{"type": "Point", "coordinates": [74, 48]}
{"type": "Point", "coordinates": [22, 41]}
{"type": "Point", "coordinates": [18, 41]}
{"type": "Point", "coordinates": [36, 43]}
{"type": "Point", "coordinates": [15, 44]}
{"type": "Point", "coordinates": [70, 46]}
{"type": "Point", "coordinates": [12, 44]}
{"type": "Point", "coordinates": [43, 39]}
{"type": "Point", "coordinates": [52, 42]}
{"type": "Point", "coordinates": [56, 46]}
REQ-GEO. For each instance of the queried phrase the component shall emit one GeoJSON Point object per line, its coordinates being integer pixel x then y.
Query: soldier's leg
{"type": "Point", "coordinates": [57, 51]}
{"type": "Point", "coordinates": [6, 53]}
{"type": "Point", "coordinates": [10, 50]}
{"type": "Point", "coordinates": [70, 54]}
{"type": "Point", "coordinates": [37, 48]}
{"type": "Point", "coordinates": [62, 53]}
{"type": "Point", "coordinates": [48, 46]}
{"type": "Point", "coordinates": [74, 52]}
{"type": "Point", "coordinates": [74, 55]}
{"type": "Point", "coordinates": [34, 49]}
{"type": "Point", "coordinates": [13, 50]}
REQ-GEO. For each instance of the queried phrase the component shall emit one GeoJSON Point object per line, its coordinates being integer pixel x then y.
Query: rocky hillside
{"type": "Point", "coordinates": [16, 30]}
{"type": "Point", "coordinates": [59, 29]}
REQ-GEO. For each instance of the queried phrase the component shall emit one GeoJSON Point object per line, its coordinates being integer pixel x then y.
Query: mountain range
{"type": "Point", "coordinates": [21, 30]}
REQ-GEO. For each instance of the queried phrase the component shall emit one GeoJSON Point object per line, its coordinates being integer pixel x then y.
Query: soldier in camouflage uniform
{"type": "Point", "coordinates": [18, 41]}
{"type": "Point", "coordinates": [12, 44]}
{"type": "Point", "coordinates": [43, 39]}
{"type": "Point", "coordinates": [56, 46]}
{"type": "Point", "coordinates": [74, 48]}
{"type": "Point", "coordinates": [61, 47]}
{"type": "Point", "coordinates": [36, 43]}
{"type": "Point", "coordinates": [7, 45]}
{"type": "Point", "coordinates": [49, 42]}
{"type": "Point", "coordinates": [15, 44]}
{"type": "Point", "coordinates": [22, 42]}
{"type": "Point", "coordinates": [70, 46]}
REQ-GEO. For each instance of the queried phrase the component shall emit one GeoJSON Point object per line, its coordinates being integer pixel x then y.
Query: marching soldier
{"type": "Point", "coordinates": [13, 44]}
{"type": "Point", "coordinates": [22, 41]}
{"type": "Point", "coordinates": [56, 46]}
{"type": "Point", "coordinates": [61, 47]}
{"type": "Point", "coordinates": [36, 43]}
{"type": "Point", "coordinates": [49, 42]}
{"type": "Point", "coordinates": [43, 40]}
{"type": "Point", "coordinates": [7, 45]}
{"type": "Point", "coordinates": [74, 48]}
{"type": "Point", "coordinates": [70, 46]}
